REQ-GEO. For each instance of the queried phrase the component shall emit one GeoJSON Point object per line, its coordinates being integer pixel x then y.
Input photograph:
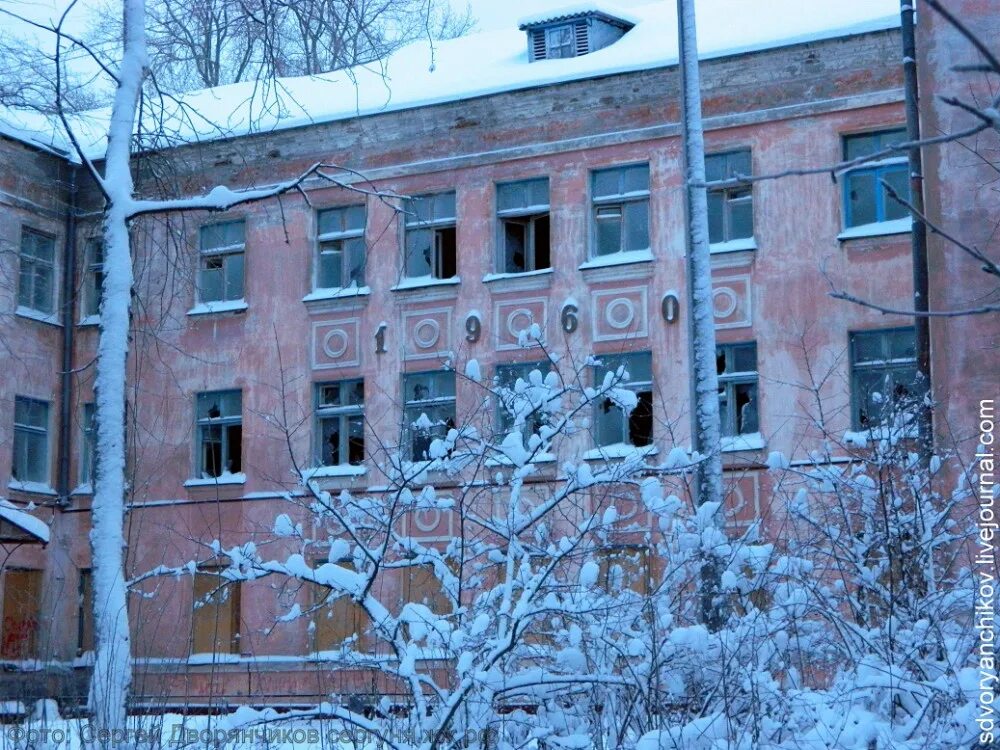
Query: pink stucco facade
{"type": "Point", "coordinates": [281, 345]}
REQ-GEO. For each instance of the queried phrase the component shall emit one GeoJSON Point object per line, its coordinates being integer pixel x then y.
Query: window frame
{"type": "Point", "coordinates": [344, 238]}
{"type": "Point", "coordinates": [528, 215]}
{"type": "Point", "coordinates": [519, 370]}
{"type": "Point", "coordinates": [88, 444]}
{"type": "Point", "coordinates": [878, 170]}
{"type": "Point", "coordinates": [551, 31]}
{"type": "Point", "coordinates": [435, 401]}
{"type": "Point", "coordinates": [26, 430]}
{"type": "Point", "coordinates": [93, 278]}
{"type": "Point", "coordinates": [636, 386]}
{"type": "Point", "coordinates": [413, 224]}
{"type": "Point", "coordinates": [621, 200]}
{"type": "Point", "coordinates": [728, 197]}
{"type": "Point", "coordinates": [223, 421]}
{"type": "Point", "coordinates": [343, 413]}
{"type": "Point", "coordinates": [85, 635]}
{"type": "Point", "coordinates": [223, 254]}
{"type": "Point", "coordinates": [37, 265]}
{"type": "Point", "coordinates": [729, 381]}
{"type": "Point", "coordinates": [882, 366]}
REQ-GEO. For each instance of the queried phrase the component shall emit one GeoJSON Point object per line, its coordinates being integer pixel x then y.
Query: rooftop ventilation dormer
{"type": "Point", "coordinates": [572, 32]}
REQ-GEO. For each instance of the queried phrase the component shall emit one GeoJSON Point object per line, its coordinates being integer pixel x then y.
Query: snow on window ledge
{"type": "Point", "coordinates": [419, 282]}
{"type": "Point", "coordinates": [345, 292]}
{"type": "Point", "coordinates": [340, 470]}
{"type": "Point", "coordinates": [752, 441]}
{"type": "Point", "coordinates": [490, 277]}
{"type": "Point", "coordinates": [862, 438]}
{"type": "Point", "coordinates": [90, 320]}
{"type": "Point", "coordinates": [618, 259]}
{"type": "Point", "coordinates": [877, 229]}
{"type": "Point", "coordinates": [224, 478]}
{"type": "Point", "coordinates": [732, 246]}
{"type": "Point", "coordinates": [83, 489]}
{"type": "Point", "coordinates": [37, 488]}
{"type": "Point", "coordinates": [619, 450]}
{"type": "Point", "coordinates": [42, 317]}
{"type": "Point", "coordinates": [209, 308]}
{"type": "Point", "coordinates": [212, 658]}
{"type": "Point", "coordinates": [541, 458]}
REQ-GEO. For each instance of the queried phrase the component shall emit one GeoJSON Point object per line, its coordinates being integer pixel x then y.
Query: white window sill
{"type": "Point", "coordinates": [36, 488]}
{"type": "Point", "coordinates": [541, 458]}
{"type": "Point", "coordinates": [90, 320]}
{"type": "Point", "coordinates": [83, 489]}
{"type": "Point", "coordinates": [878, 229]}
{"type": "Point", "coordinates": [510, 276]}
{"type": "Point", "coordinates": [209, 308]}
{"type": "Point", "coordinates": [339, 293]}
{"type": "Point", "coordinates": [207, 659]}
{"type": "Point", "coordinates": [240, 478]}
{"type": "Point", "coordinates": [861, 438]}
{"type": "Point", "coordinates": [753, 441]}
{"type": "Point", "coordinates": [619, 450]}
{"type": "Point", "coordinates": [733, 246]}
{"type": "Point", "coordinates": [27, 312]}
{"type": "Point", "coordinates": [420, 282]}
{"type": "Point", "coordinates": [342, 470]}
{"type": "Point", "coordinates": [619, 259]}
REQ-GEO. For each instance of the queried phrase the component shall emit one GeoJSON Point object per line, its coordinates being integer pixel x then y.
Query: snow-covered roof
{"type": "Point", "coordinates": [472, 66]}
{"type": "Point", "coordinates": [25, 521]}
{"type": "Point", "coordinates": [574, 10]}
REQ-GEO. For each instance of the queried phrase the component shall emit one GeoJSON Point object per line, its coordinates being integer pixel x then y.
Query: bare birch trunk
{"type": "Point", "coordinates": [112, 666]}
{"type": "Point", "coordinates": [705, 386]}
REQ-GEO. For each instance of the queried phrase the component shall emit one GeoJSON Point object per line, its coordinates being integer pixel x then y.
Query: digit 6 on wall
{"type": "Point", "coordinates": [569, 318]}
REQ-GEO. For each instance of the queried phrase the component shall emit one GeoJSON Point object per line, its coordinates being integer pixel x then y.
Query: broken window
{"type": "Point", "coordinates": [866, 200]}
{"type": "Point", "coordinates": [341, 248]}
{"type": "Point", "coordinates": [738, 402]}
{"type": "Point", "coordinates": [431, 243]}
{"type": "Point", "coordinates": [884, 387]}
{"type": "Point", "coordinates": [220, 433]}
{"type": "Point", "coordinates": [340, 423]}
{"type": "Point", "coordinates": [612, 425]}
{"type": "Point", "coordinates": [523, 216]}
{"type": "Point", "coordinates": [730, 209]}
{"type": "Point", "coordinates": [220, 275]}
{"type": "Point", "coordinates": [429, 412]}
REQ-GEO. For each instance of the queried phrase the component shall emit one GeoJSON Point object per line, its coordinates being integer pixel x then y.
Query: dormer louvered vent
{"type": "Point", "coordinates": [572, 33]}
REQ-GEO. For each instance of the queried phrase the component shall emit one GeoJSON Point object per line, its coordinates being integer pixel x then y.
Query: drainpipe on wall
{"type": "Point", "coordinates": [69, 326]}
{"type": "Point", "coordinates": [921, 285]}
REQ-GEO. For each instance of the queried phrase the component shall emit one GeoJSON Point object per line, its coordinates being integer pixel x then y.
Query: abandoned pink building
{"type": "Point", "coordinates": [537, 175]}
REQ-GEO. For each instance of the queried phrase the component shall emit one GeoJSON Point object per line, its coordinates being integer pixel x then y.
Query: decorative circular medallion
{"type": "Point", "coordinates": [724, 301]}
{"type": "Point", "coordinates": [427, 519]}
{"type": "Point", "coordinates": [619, 313]}
{"type": "Point", "coordinates": [426, 333]}
{"type": "Point", "coordinates": [519, 320]}
{"type": "Point", "coordinates": [335, 343]}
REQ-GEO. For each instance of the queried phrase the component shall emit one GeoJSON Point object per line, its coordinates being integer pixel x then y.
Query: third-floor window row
{"type": "Point", "coordinates": [619, 223]}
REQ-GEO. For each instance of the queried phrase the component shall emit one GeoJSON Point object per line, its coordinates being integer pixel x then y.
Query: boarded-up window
{"type": "Point", "coordinates": [22, 598]}
{"type": "Point", "coordinates": [85, 613]}
{"type": "Point", "coordinates": [216, 620]}
{"type": "Point", "coordinates": [421, 586]}
{"type": "Point", "coordinates": [337, 621]}
{"type": "Point", "coordinates": [624, 568]}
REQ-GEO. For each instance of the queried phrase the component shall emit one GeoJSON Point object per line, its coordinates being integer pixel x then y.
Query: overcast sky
{"type": "Point", "coordinates": [490, 14]}
{"type": "Point", "coordinates": [496, 14]}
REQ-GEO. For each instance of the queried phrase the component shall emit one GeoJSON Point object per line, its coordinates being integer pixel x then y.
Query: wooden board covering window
{"type": "Point", "coordinates": [85, 613]}
{"type": "Point", "coordinates": [216, 620]}
{"type": "Point", "coordinates": [624, 568]}
{"type": "Point", "coordinates": [338, 621]}
{"type": "Point", "coordinates": [22, 599]}
{"type": "Point", "coordinates": [421, 586]}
